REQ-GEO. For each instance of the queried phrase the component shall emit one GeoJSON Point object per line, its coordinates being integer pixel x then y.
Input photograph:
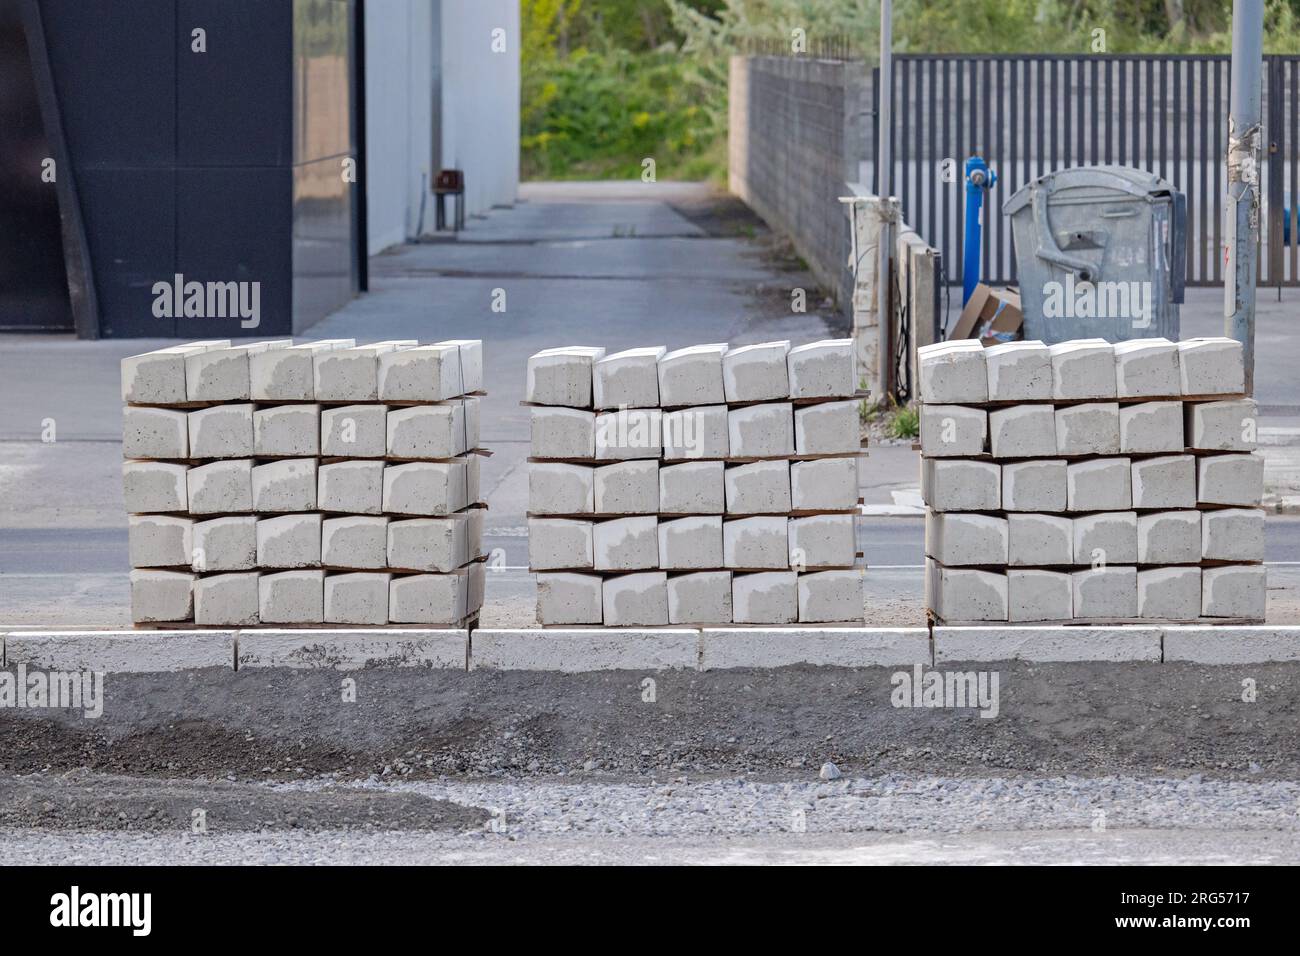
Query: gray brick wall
{"type": "Point", "coordinates": [798, 127]}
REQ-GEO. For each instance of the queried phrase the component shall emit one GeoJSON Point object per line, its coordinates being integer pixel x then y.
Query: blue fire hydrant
{"type": "Point", "coordinates": [979, 180]}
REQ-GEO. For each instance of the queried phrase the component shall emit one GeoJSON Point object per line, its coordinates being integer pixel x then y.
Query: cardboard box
{"type": "Point", "coordinates": [991, 315]}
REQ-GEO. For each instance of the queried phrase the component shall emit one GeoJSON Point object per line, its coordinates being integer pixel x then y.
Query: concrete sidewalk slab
{"type": "Point", "coordinates": [1047, 644]}
{"type": "Point", "coordinates": [354, 648]}
{"type": "Point", "coordinates": [820, 646]}
{"type": "Point", "coordinates": [1213, 644]}
{"type": "Point", "coordinates": [121, 651]}
{"type": "Point", "coordinates": [592, 649]}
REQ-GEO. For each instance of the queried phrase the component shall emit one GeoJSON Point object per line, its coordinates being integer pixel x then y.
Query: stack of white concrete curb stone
{"type": "Point", "coordinates": [1091, 482]}
{"type": "Point", "coordinates": [702, 486]}
{"type": "Point", "coordinates": [321, 483]}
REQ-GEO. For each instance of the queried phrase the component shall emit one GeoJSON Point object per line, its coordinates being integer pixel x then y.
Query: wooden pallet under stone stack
{"type": "Point", "coordinates": [1085, 482]}
{"type": "Point", "coordinates": [709, 485]}
{"type": "Point", "coordinates": [304, 485]}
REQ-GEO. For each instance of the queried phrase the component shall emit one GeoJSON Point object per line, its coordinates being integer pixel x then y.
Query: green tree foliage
{"type": "Point", "coordinates": [607, 83]}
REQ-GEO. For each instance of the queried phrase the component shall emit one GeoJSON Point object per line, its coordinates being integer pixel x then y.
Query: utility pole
{"type": "Point", "coordinates": [884, 166]}
{"type": "Point", "coordinates": [1241, 226]}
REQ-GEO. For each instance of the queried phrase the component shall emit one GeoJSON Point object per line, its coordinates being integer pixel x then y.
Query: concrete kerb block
{"type": "Point", "coordinates": [558, 488]}
{"type": "Point", "coordinates": [568, 598]}
{"type": "Point", "coordinates": [953, 373]}
{"type": "Point", "coordinates": [725, 648]}
{"type": "Point", "coordinates": [639, 599]}
{"type": "Point", "coordinates": [1039, 540]}
{"type": "Point", "coordinates": [1108, 537]}
{"type": "Point", "coordinates": [562, 376]}
{"type": "Point", "coordinates": [1108, 593]}
{"type": "Point", "coordinates": [1233, 479]}
{"type": "Point", "coordinates": [692, 542]}
{"type": "Point", "coordinates": [558, 432]}
{"type": "Point", "coordinates": [228, 543]}
{"type": "Point", "coordinates": [426, 373]}
{"type": "Point", "coordinates": [756, 542]}
{"type": "Point", "coordinates": [161, 596]}
{"type": "Point", "coordinates": [625, 544]}
{"type": "Point", "coordinates": [580, 650]}
{"type": "Point", "coordinates": [285, 485]}
{"type": "Point", "coordinates": [1151, 428]}
{"type": "Point", "coordinates": [953, 431]}
{"type": "Point", "coordinates": [357, 541]}
{"type": "Point", "coordinates": [1219, 644]}
{"type": "Point", "coordinates": [1019, 372]}
{"type": "Point", "coordinates": [354, 431]}
{"type": "Point", "coordinates": [220, 487]}
{"type": "Point", "coordinates": [1046, 644]}
{"type": "Point", "coordinates": [432, 598]}
{"type": "Point", "coordinates": [155, 433]}
{"type": "Point", "coordinates": [1083, 369]}
{"type": "Point", "coordinates": [1035, 485]}
{"type": "Point", "coordinates": [354, 648]}
{"type": "Point", "coordinates": [559, 544]}
{"type": "Point", "coordinates": [1167, 482]}
{"type": "Point", "coordinates": [965, 594]}
{"type": "Point", "coordinates": [1088, 429]}
{"type": "Point", "coordinates": [756, 373]}
{"type": "Point", "coordinates": [824, 484]}
{"type": "Point", "coordinates": [624, 488]}
{"type": "Point", "coordinates": [292, 597]}
{"type": "Point", "coordinates": [765, 597]}
{"type": "Point", "coordinates": [286, 431]}
{"type": "Point", "coordinates": [153, 487]}
{"type": "Point", "coordinates": [222, 431]}
{"type": "Point", "coordinates": [828, 428]}
{"type": "Point", "coordinates": [222, 375]}
{"type": "Point", "coordinates": [471, 362]}
{"type": "Point", "coordinates": [761, 487]}
{"type": "Point", "coordinates": [1034, 595]}
{"type": "Point", "coordinates": [442, 544]}
{"type": "Point", "coordinates": [359, 597]}
{"type": "Point", "coordinates": [822, 541]}
{"type": "Point", "coordinates": [1023, 431]}
{"type": "Point", "coordinates": [1211, 366]}
{"type": "Point", "coordinates": [1147, 367]}
{"type": "Point", "coordinates": [158, 377]}
{"type": "Point", "coordinates": [289, 541]}
{"type": "Point", "coordinates": [351, 374]}
{"type": "Point", "coordinates": [1234, 590]}
{"type": "Point", "coordinates": [761, 431]}
{"type": "Point", "coordinates": [288, 374]}
{"type": "Point", "coordinates": [1232, 534]}
{"type": "Point", "coordinates": [1169, 594]}
{"type": "Point", "coordinates": [831, 596]}
{"type": "Point", "coordinates": [1169, 537]}
{"type": "Point", "coordinates": [121, 652]}
{"type": "Point", "coordinates": [159, 541]}
{"type": "Point", "coordinates": [699, 432]}
{"type": "Point", "coordinates": [427, 431]}
{"type": "Point", "coordinates": [696, 487]}
{"type": "Point", "coordinates": [699, 597]}
{"type": "Point", "coordinates": [226, 600]}
{"type": "Point", "coordinates": [825, 369]}
{"type": "Point", "coordinates": [629, 433]}
{"type": "Point", "coordinates": [957, 539]}
{"type": "Point", "coordinates": [1223, 426]}
{"type": "Point", "coordinates": [628, 379]}
{"type": "Point", "coordinates": [1101, 484]}
{"type": "Point", "coordinates": [692, 376]}
{"type": "Point", "coordinates": [426, 487]}
{"type": "Point", "coordinates": [351, 487]}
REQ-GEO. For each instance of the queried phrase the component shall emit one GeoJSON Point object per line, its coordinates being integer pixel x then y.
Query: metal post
{"type": "Point", "coordinates": [884, 162]}
{"type": "Point", "coordinates": [1241, 218]}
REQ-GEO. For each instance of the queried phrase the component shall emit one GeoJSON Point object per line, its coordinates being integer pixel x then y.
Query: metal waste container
{"type": "Point", "coordinates": [1101, 252]}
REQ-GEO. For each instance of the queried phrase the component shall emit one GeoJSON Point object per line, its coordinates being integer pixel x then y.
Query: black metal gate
{"type": "Point", "coordinates": [1029, 114]}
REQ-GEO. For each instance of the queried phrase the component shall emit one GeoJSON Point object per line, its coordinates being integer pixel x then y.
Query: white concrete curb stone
{"type": "Point", "coordinates": [596, 649]}
{"type": "Point", "coordinates": [819, 646]}
{"type": "Point", "coordinates": [1046, 644]}
{"type": "Point", "coordinates": [121, 651]}
{"type": "Point", "coordinates": [354, 649]}
{"type": "Point", "coordinates": [1210, 644]}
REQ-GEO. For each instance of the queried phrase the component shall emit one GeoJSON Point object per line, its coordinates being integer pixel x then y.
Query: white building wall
{"type": "Point", "coordinates": [479, 109]}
